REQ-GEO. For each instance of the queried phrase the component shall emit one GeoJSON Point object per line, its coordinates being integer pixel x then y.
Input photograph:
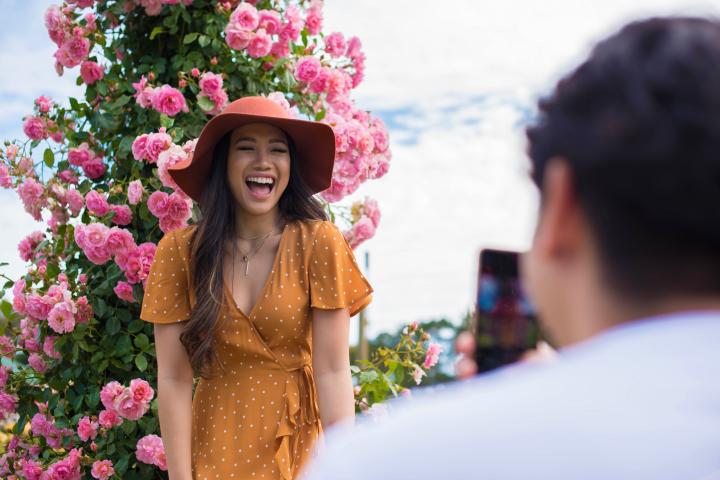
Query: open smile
{"type": "Point", "coordinates": [260, 186]}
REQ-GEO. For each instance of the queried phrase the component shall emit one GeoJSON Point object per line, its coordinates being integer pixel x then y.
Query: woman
{"type": "Point", "coordinates": [255, 298]}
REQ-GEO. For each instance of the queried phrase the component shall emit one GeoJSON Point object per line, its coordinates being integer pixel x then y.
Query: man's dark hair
{"type": "Point", "coordinates": [639, 124]}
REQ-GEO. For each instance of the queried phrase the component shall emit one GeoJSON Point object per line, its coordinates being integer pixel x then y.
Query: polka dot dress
{"type": "Point", "coordinates": [258, 418]}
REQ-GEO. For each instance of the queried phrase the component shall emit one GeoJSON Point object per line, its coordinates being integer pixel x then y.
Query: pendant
{"type": "Point", "coordinates": [247, 263]}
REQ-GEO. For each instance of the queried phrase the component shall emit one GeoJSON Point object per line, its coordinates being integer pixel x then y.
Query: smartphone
{"type": "Point", "coordinates": [506, 324]}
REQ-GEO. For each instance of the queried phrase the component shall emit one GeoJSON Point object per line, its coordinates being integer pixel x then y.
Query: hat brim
{"type": "Point", "coordinates": [314, 147]}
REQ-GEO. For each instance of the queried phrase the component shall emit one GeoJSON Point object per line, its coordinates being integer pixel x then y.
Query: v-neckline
{"type": "Point", "coordinates": [266, 286]}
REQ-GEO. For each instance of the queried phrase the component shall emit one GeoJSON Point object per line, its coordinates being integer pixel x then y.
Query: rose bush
{"type": "Point", "coordinates": [79, 363]}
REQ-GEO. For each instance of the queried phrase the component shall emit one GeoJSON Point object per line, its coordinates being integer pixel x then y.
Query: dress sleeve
{"type": "Point", "coordinates": [166, 298]}
{"type": "Point", "coordinates": [335, 278]}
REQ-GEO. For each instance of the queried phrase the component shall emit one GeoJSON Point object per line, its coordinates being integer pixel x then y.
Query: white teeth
{"type": "Point", "coordinates": [265, 180]}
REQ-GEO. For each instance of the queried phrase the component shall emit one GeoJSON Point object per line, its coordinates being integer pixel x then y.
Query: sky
{"type": "Point", "coordinates": [455, 81]}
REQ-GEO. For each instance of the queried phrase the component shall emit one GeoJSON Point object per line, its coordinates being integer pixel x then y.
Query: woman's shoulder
{"type": "Point", "coordinates": [178, 240]}
{"type": "Point", "coordinates": [310, 229]}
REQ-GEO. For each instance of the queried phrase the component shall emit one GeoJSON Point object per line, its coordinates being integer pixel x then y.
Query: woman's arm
{"type": "Point", "coordinates": [174, 382]}
{"type": "Point", "coordinates": [331, 364]}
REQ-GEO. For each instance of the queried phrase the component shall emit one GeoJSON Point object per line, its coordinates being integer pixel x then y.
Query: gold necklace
{"type": "Point", "coordinates": [247, 256]}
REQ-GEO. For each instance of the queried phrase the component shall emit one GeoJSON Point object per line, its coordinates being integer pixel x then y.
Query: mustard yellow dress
{"type": "Point", "coordinates": [259, 418]}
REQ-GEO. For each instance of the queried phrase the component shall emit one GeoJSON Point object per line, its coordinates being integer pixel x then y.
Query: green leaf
{"type": "Point", "coordinates": [141, 341]}
{"type": "Point", "coordinates": [135, 326]}
{"type": "Point", "coordinates": [141, 362]}
{"type": "Point", "coordinates": [166, 121]}
{"type": "Point", "coordinates": [101, 88]}
{"type": "Point", "coordinates": [205, 103]}
{"type": "Point", "coordinates": [369, 376]}
{"type": "Point", "coordinates": [204, 41]}
{"type": "Point", "coordinates": [52, 270]}
{"type": "Point", "coordinates": [190, 37]}
{"type": "Point", "coordinates": [156, 31]}
{"type": "Point", "coordinates": [49, 157]}
{"type": "Point", "coordinates": [6, 308]}
{"type": "Point", "coordinates": [112, 326]}
{"type": "Point", "coordinates": [123, 100]}
{"type": "Point", "coordinates": [74, 104]}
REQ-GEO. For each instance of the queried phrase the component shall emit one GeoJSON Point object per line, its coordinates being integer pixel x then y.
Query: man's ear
{"type": "Point", "coordinates": [560, 224]}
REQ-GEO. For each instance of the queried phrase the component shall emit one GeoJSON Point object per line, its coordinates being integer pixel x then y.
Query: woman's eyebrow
{"type": "Point", "coordinates": [245, 139]}
{"type": "Point", "coordinates": [278, 140]}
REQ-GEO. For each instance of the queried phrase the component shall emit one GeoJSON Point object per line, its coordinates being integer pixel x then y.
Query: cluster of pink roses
{"type": "Point", "coordinates": [154, 7]}
{"type": "Point", "coordinates": [86, 158]}
{"type": "Point", "coordinates": [129, 403]}
{"type": "Point", "coordinates": [100, 243]}
{"type": "Point", "coordinates": [38, 126]}
{"type": "Point", "coordinates": [70, 37]}
{"type": "Point", "coordinates": [173, 210]}
{"type": "Point", "coordinates": [365, 219]}
{"type": "Point", "coordinates": [164, 99]}
{"type": "Point", "coordinates": [43, 425]}
{"type": "Point", "coordinates": [262, 33]}
{"type": "Point", "coordinates": [212, 98]}
{"type": "Point", "coordinates": [56, 306]}
{"type": "Point", "coordinates": [91, 72]}
{"type": "Point", "coordinates": [361, 146]}
{"type": "Point", "coordinates": [98, 205]}
{"type": "Point", "coordinates": [150, 450]}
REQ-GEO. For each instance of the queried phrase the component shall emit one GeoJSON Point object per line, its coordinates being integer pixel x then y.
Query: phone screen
{"type": "Point", "coordinates": [505, 322]}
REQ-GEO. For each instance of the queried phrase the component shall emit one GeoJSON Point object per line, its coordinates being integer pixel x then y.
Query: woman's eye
{"type": "Point", "coordinates": [280, 150]}
{"type": "Point", "coordinates": [245, 148]}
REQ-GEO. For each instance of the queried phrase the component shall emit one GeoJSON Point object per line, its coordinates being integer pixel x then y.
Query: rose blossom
{"type": "Point", "coordinates": [94, 168]}
{"type": "Point", "coordinates": [109, 419]}
{"type": "Point", "coordinates": [149, 449]}
{"type": "Point", "coordinates": [432, 355]}
{"type": "Point", "coordinates": [237, 38]}
{"type": "Point", "coordinates": [123, 214]}
{"type": "Point", "coordinates": [96, 203]}
{"type": "Point", "coordinates": [102, 469]}
{"type": "Point", "coordinates": [246, 16]}
{"type": "Point", "coordinates": [87, 429]}
{"type": "Point", "coordinates": [335, 44]}
{"type": "Point", "coordinates": [260, 44]}
{"type": "Point", "coordinates": [37, 363]}
{"type": "Point", "coordinates": [91, 72]}
{"type": "Point", "coordinates": [141, 390]}
{"type": "Point", "coordinates": [135, 192]}
{"type": "Point", "coordinates": [61, 317]}
{"type": "Point", "coordinates": [169, 101]}
{"type": "Point", "coordinates": [307, 69]}
{"type": "Point", "coordinates": [124, 291]}
{"type": "Point", "coordinates": [44, 103]}
{"type": "Point", "coordinates": [127, 407]}
{"type": "Point", "coordinates": [35, 128]}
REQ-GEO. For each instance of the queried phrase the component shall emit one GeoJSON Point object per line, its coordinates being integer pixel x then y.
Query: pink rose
{"type": "Point", "coordinates": [353, 47]}
{"type": "Point", "coordinates": [44, 103]}
{"type": "Point", "coordinates": [102, 469]}
{"type": "Point", "coordinates": [87, 429]}
{"type": "Point", "coordinates": [38, 307]}
{"type": "Point", "coordinates": [119, 240]}
{"type": "Point", "coordinates": [158, 203]}
{"type": "Point", "coordinates": [237, 37]}
{"type": "Point", "coordinates": [149, 449]}
{"type": "Point", "coordinates": [91, 72]}
{"type": "Point", "coordinates": [417, 374]}
{"type": "Point", "coordinates": [37, 363]}
{"type": "Point", "coordinates": [94, 168]}
{"type": "Point", "coordinates": [109, 392]}
{"type": "Point", "coordinates": [321, 82]}
{"type": "Point", "coordinates": [143, 93]}
{"type": "Point", "coordinates": [361, 231]}
{"type": "Point", "coordinates": [8, 404]}
{"type": "Point", "coordinates": [127, 407]}
{"type": "Point", "coordinates": [335, 44]}
{"type": "Point", "coordinates": [372, 210]}
{"type": "Point", "coordinates": [109, 419]}
{"type": "Point", "coordinates": [123, 214]}
{"type": "Point", "coordinates": [280, 49]}
{"type": "Point", "coordinates": [210, 83]}
{"type": "Point", "coordinates": [49, 347]}
{"type": "Point", "coordinates": [246, 16]}
{"type": "Point", "coordinates": [35, 128]}
{"type": "Point", "coordinates": [432, 355]}
{"type": "Point", "coordinates": [260, 44]}
{"type": "Point", "coordinates": [81, 154]}
{"type": "Point", "coordinates": [138, 147]}
{"type": "Point", "coordinates": [307, 69]}
{"type": "Point", "coordinates": [156, 143]}
{"type": "Point", "coordinates": [84, 310]}
{"type": "Point", "coordinates": [61, 318]}
{"type": "Point", "coordinates": [74, 200]}
{"type": "Point", "coordinates": [73, 51]}
{"type": "Point", "coordinates": [269, 20]}
{"type": "Point", "coordinates": [135, 192]}
{"type": "Point", "coordinates": [141, 390]}
{"type": "Point", "coordinates": [96, 203]}
{"type": "Point", "coordinates": [173, 155]}
{"type": "Point", "coordinates": [169, 101]}
{"type": "Point", "coordinates": [124, 291]}
{"type": "Point", "coordinates": [313, 23]}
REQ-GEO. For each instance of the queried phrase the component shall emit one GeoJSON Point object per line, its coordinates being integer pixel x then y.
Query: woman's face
{"type": "Point", "coordinates": [258, 167]}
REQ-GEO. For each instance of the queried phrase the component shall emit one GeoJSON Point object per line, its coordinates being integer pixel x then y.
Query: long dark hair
{"type": "Point", "coordinates": [215, 231]}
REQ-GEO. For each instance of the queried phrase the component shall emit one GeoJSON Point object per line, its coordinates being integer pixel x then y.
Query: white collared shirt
{"type": "Point", "coordinates": [639, 401]}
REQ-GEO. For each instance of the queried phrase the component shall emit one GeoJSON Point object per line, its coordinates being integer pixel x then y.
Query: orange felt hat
{"type": "Point", "coordinates": [314, 144]}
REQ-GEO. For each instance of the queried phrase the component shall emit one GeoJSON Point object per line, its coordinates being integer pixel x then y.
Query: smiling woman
{"type": "Point", "coordinates": [256, 299]}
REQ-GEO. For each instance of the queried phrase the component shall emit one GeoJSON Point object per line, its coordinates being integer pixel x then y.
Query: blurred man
{"type": "Point", "coordinates": [625, 273]}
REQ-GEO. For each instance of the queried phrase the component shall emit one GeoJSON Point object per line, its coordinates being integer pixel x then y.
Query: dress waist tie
{"type": "Point", "coordinates": [301, 408]}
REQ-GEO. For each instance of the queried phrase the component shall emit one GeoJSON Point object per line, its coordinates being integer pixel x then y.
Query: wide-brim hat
{"type": "Point", "coordinates": [314, 144]}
